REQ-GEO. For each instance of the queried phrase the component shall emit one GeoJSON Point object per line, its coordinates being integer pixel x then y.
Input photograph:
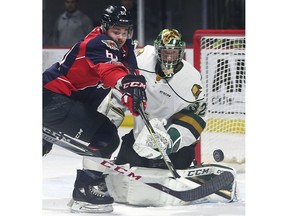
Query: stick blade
{"type": "Point", "coordinates": [212, 186]}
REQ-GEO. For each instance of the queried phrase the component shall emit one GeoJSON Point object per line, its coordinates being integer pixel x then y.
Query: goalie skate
{"type": "Point", "coordinates": [84, 207]}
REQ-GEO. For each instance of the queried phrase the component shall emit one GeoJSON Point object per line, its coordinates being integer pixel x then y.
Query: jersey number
{"type": "Point", "coordinates": [199, 108]}
{"type": "Point", "coordinates": [111, 56]}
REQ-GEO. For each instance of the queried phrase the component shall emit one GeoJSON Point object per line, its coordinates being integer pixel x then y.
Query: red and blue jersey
{"type": "Point", "coordinates": [89, 68]}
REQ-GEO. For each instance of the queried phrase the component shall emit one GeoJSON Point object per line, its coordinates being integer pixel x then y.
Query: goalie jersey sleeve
{"type": "Point", "coordinates": [185, 128]}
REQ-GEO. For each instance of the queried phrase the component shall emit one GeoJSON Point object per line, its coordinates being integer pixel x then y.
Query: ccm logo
{"type": "Point", "coordinates": [119, 169]}
{"type": "Point", "coordinates": [134, 85]}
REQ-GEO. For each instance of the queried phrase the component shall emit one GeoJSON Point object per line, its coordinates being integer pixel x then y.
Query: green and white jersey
{"type": "Point", "coordinates": [178, 101]}
{"type": "Point", "coordinates": [165, 97]}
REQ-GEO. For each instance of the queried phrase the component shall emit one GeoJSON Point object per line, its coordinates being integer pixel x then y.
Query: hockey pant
{"type": "Point", "coordinates": [81, 121]}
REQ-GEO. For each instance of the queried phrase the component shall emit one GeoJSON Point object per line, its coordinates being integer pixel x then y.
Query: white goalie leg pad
{"type": "Point", "coordinates": [125, 190]}
{"type": "Point", "coordinates": [84, 207]}
{"type": "Point", "coordinates": [118, 185]}
{"type": "Point", "coordinates": [130, 191]}
{"type": "Point", "coordinates": [88, 163]}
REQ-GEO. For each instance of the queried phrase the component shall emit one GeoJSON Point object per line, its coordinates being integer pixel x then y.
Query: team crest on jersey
{"type": "Point", "coordinates": [196, 90]}
{"type": "Point", "coordinates": [111, 44]}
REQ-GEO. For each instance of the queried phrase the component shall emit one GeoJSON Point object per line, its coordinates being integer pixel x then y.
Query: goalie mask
{"type": "Point", "coordinates": [116, 16]}
{"type": "Point", "coordinates": [169, 50]}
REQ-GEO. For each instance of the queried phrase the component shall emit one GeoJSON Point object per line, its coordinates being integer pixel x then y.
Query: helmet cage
{"type": "Point", "coordinates": [169, 39]}
{"type": "Point", "coordinates": [116, 16]}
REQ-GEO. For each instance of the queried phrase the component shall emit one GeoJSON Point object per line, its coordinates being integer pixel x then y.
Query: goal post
{"type": "Point", "coordinates": [219, 55]}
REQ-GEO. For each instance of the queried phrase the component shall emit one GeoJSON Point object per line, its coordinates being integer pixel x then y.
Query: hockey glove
{"type": "Point", "coordinates": [145, 145]}
{"type": "Point", "coordinates": [133, 89]}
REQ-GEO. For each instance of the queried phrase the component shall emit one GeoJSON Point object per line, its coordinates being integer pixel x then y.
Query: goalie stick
{"type": "Point", "coordinates": [71, 144]}
{"type": "Point", "coordinates": [162, 151]}
{"type": "Point", "coordinates": [204, 172]}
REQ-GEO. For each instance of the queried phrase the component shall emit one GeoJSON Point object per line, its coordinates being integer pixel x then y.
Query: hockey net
{"type": "Point", "coordinates": [220, 57]}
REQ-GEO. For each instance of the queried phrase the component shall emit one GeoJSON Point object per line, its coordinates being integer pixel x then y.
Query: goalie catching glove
{"type": "Point", "coordinates": [145, 145]}
{"type": "Point", "coordinates": [133, 89]}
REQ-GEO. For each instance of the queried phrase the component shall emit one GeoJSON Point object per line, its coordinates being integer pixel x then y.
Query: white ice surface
{"type": "Point", "coordinates": [59, 173]}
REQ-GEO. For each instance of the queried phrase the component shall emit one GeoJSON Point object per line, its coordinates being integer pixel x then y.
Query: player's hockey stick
{"type": "Point", "coordinates": [68, 143]}
{"type": "Point", "coordinates": [71, 144]}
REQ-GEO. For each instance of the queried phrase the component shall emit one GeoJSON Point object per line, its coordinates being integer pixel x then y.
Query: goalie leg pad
{"type": "Point", "coordinates": [125, 190]}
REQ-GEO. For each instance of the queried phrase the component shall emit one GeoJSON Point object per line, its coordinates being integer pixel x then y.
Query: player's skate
{"type": "Point", "coordinates": [90, 194]}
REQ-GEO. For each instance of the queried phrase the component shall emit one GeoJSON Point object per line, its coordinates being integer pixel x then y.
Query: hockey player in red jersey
{"type": "Point", "coordinates": [74, 88]}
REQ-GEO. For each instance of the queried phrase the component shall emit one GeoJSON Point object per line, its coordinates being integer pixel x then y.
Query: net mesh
{"type": "Point", "coordinates": [222, 65]}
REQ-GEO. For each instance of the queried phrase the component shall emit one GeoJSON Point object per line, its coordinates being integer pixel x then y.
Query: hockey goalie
{"type": "Point", "coordinates": [128, 191]}
{"type": "Point", "coordinates": [176, 111]}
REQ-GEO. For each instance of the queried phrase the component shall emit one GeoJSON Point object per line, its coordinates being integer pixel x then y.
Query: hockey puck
{"type": "Point", "coordinates": [218, 155]}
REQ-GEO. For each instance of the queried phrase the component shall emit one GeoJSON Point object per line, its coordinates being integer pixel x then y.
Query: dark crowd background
{"type": "Point", "coordinates": [183, 15]}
